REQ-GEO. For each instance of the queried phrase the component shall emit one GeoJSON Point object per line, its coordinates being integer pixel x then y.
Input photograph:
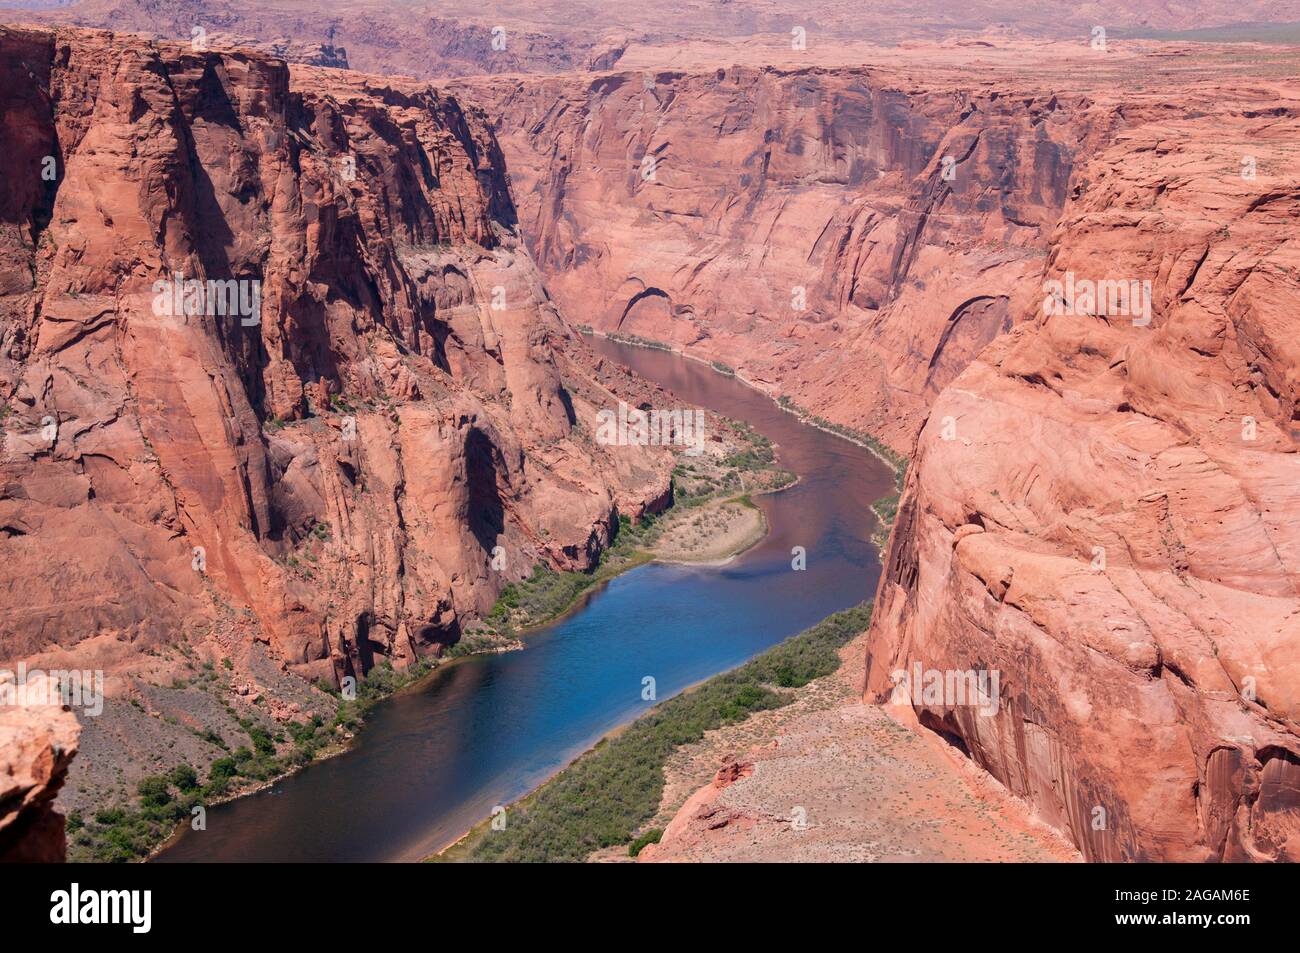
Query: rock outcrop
{"type": "Point", "coordinates": [1102, 511]}
{"type": "Point", "coordinates": [1104, 506]}
{"type": "Point", "coordinates": [274, 365]}
{"type": "Point", "coordinates": [38, 740]}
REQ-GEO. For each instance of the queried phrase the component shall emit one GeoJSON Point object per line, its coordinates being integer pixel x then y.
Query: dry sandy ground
{"type": "Point", "coordinates": [713, 532]}
{"type": "Point", "coordinates": [828, 778]}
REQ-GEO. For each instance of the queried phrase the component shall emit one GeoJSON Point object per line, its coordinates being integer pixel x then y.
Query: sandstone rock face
{"type": "Point", "coordinates": [332, 475]}
{"type": "Point", "coordinates": [1107, 510]}
{"type": "Point", "coordinates": [38, 741]}
{"type": "Point", "coordinates": [1101, 511]}
{"type": "Point", "coordinates": [840, 235]}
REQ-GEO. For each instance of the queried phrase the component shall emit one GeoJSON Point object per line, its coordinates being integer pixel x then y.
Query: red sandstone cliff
{"type": "Point", "coordinates": [331, 483]}
{"type": "Point", "coordinates": [38, 741]}
{"type": "Point", "coordinates": [1148, 695]}
{"type": "Point", "coordinates": [849, 236]}
{"type": "Point", "coordinates": [798, 223]}
{"type": "Point", "coordinates": [1108, 512]}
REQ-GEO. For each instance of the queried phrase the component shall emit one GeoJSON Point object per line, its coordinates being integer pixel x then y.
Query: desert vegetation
{"type": "Point", "coordinates": [606, 796]}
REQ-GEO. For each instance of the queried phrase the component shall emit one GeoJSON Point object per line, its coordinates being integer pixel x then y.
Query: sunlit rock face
{"type": "Point", "coordinates": [1104, 505]}
{"type": "Point", "coordinates": [275, 366]}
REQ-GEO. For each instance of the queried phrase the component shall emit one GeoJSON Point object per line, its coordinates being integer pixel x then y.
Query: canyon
{"type": "Point", "coordinates": [1103, 508]}
{"type": "Point", "coordinates": [298, 495]}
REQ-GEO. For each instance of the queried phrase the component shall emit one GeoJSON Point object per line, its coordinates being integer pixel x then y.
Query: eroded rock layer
{"type": "Point", "coordinates": [1106, 509]}
{"type": "Point", "coordinates": [331, 475]}
{"type": "Point", "coordinates": [38, 740]}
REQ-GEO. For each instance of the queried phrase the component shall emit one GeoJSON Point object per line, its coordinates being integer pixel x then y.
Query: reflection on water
{"type": "Point", "coordinates": [431, 763]}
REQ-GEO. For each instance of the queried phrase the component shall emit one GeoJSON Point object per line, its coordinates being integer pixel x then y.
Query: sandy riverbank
{"type": "Point", "coordinates": [714, 533]}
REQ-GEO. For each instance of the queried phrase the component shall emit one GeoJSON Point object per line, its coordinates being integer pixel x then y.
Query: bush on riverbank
{"type": "Point", "coordinates": [896, 461]}
{"type": "Point", "coordinates": [546, 594]}
{"type": "Point", "coordinates": [637, 341]}
{"type": "Point", "coordinates": [649, 837]}
{"type": "Point", "coordinates": [125, 833]}
{"type": "Point", "coordinates": [604, 797]}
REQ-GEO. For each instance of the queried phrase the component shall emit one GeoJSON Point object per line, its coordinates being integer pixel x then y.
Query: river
{"type": "Point", "coordinates": [433, 761]}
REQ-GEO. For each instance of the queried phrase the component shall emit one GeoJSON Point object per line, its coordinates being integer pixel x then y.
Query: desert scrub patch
{"type": "Point", "coordinates": [605, 797]}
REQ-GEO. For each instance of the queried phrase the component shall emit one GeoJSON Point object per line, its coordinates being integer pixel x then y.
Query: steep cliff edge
{"type": "Point", "coordinates": [38, 740]}
{"type": "Point", "coordinates": [1102, 509]}
{"type": "Point", "coordinates": [839, 235]}
{"type": "Point", "coordinates": [281, 388]}
{"type": "Point", "coordinates": [1106, 510]}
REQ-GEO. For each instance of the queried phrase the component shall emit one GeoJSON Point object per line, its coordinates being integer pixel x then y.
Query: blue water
{"type": "Point", "coordinates": [432, 762]}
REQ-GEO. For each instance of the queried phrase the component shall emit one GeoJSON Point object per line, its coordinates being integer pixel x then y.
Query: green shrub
{"type": "Point", "coordinates": [649, 837]}
{"type": "Point", "coordinates": [610, 792]}
{"type": "Point", "coordinates": [154, 792]}
{"type": "Point", "coordinates": [184, 777]}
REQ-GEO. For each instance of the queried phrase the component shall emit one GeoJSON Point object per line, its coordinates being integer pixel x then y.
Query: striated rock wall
{"type": "Point", "coordinates": [332, 481]}
{"type": "Point", "coordinates": [841, 235]}
{"type": "Point", "coordinates": [1107, 511]}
